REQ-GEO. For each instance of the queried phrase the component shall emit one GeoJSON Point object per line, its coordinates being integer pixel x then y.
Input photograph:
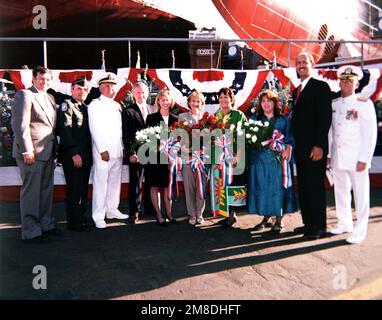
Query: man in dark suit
{"type": "Point", "coordinates": [311, 120]}
{"type": "Point", "coordinates": [75, 153]}
{"type": "Point", "coordinates": [133, 120]}
{"type": "Point", "coordinates": [33, 123]}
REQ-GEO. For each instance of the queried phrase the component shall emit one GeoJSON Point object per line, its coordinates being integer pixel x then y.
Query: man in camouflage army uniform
{"type": "Point", "coordinates": [75, 154]}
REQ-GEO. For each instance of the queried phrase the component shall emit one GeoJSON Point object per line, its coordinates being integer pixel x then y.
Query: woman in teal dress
{"type": "Point", "coordinates": [267, 195]}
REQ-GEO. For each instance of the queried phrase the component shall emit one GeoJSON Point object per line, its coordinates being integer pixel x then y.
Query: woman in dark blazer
{"type": "Point", "coordinates": [158, 174]}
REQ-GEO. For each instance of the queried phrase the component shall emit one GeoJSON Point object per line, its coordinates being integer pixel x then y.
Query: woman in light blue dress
{"type": "Point", "coordinates": [267, 196]}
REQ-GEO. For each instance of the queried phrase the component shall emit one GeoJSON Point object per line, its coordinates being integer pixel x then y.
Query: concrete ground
{"type": "Point", "coordinates": [182, 262]}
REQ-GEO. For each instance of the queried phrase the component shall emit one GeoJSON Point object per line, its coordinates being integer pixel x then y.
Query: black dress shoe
{"type": "Point", "coordinates": [258, 227]}
{"type": "Point", "coordinates": [231, 221]}
{"type": "Point", "coordinates": [262, 225]}
{"type": "Point", "coordinates": [81, 228]}
{"type": "Point", "coordinates": [38, 239]}
{"type": "Point", "coordinates": [162, 224]}
{"type": "Point", "coordinates": [221, 222]}
{"type": "Point", "coordinates": [173, 220]}
{"type": "Point", "coordinates": [89, 223]}
{"type": "Point", "coordinates": [53, 232]}
{"type": "Point", "coordinates": [226, 222]}
{"type": "Point", "coordinates": [299, 230]}
{"type": "Point", "coordinates": [311, 237]}
{"type": "Point", "coordinates": [316, 235]}
{"type": "Point", "coordinates": [276, 228]}
{"type": "Point", "coordinates": [134, 219]}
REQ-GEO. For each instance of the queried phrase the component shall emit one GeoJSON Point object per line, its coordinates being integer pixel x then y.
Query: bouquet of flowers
{"type": "Point", "coordinates": [207, 121]}
{"type": "Point", "coordinates": [220, 122]}
{"type": "Point", "coordinates": [256, 132]}
{"type": "Point", "coordinates": [206, 124]}
{"type": "Point", "coordinates": [6, 133]}
{"type": "Point", "coordinates": [182, 125]}
{"type": "Point", "coordinates": [149, 135]}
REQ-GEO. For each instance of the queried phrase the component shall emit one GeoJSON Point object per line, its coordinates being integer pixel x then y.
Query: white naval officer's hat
{"type": "Point", "coordinates": [109, 78]}
{"type": "Point", "coordinates": [349, 72]}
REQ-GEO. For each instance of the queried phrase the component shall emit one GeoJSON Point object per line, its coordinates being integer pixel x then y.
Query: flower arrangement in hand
{"type": "Point", "coordinates": [256, 132]}
{"type": "Point", "coordinates": [6, 133]}
{"type": "Point", "coordinates": [148, 135]}
{"type": "Point", "coordinates": [207, 121]}
{"type": "Point", "coordinates": [144, 135]}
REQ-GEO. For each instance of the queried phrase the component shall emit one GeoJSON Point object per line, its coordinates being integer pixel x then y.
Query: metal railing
{"type": "Point", "coordinates": [45, 41]}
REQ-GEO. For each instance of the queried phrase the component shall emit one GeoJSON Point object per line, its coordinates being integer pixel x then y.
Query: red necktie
{"type": "Point", "coordinates": [298, 91]}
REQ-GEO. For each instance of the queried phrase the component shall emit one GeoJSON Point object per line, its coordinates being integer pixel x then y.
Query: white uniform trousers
{"type": "Point", "coordinates": [344, 181]}
{"type": "Point", "coordinates": [107, 176]}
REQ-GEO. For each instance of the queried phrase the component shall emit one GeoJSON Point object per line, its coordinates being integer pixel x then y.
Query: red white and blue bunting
{"type": "Point", "coordinates": [245, 83]}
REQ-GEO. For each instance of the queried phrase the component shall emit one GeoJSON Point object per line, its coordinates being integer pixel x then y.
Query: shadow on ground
{"type": "Point", "coordinates": [128, 259]}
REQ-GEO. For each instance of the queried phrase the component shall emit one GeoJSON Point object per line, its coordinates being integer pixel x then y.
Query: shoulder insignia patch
{"type": "Point", "coordinates": [64, 106]}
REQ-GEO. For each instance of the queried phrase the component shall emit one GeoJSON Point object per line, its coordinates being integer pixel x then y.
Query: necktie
{"type": "Point", "coordinates": [298, 92]}
{"type": "Point", "coordinates": [83, 108]}
{"type": "Point", "coordinates": [144, 112]}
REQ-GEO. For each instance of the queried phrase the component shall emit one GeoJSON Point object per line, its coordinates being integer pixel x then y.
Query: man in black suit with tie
{"type": "Point", "coordinates": [311, 120]}
{"type": "Point", "coordinates": [75, 153]}
{"type": "Point", "coordinates": [133, 120]}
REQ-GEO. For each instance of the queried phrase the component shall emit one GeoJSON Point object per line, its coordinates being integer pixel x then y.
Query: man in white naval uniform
{"type": "Point", "coordinates": [352, 139]}
{"type": "Point", "coordinates": [105, 125]}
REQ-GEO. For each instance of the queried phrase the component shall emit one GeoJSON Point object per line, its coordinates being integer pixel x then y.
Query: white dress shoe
{"type": "Point", "coordinates": [192, 220]}
{"type": "Point", "coordinates": [354, 240]}
{"type": "Point", "coordinates": [199, 220]}
{"type": "Point", "coordinates": [340, 230]}
{"type": "Point", "coordinates": [100, 224]}
{"type": "Point", "coordinates": [117, 215]}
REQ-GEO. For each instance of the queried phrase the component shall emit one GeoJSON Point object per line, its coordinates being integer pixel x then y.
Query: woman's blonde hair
{"type": "Point", "coordinates": [162, 93]}
{"type": "Point", "coordinates": [196, 93]}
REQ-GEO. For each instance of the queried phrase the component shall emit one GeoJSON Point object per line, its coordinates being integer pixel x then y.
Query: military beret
{"type": "Point", "coordinates": [81, 81]}
{"type": "Point", "coordinates": [349, 72]}
{"type": "Point", "coordinates": [110, 78]}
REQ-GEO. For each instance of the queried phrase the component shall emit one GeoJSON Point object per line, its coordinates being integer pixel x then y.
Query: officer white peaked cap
{"type": "Point", "coordinates": [108, 78]}
{"type": "Point", "coordinates": [349, 72]}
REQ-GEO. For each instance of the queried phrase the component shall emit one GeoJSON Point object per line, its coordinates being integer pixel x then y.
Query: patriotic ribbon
{"type": "Point", "coordinates": [224, 160]}
{"type": "Point", "coordinates": [198, 166]}
{"type": "Point", "coordinates": [171, 148]}
{"type": "Point", "coordinates": [276, 142]}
